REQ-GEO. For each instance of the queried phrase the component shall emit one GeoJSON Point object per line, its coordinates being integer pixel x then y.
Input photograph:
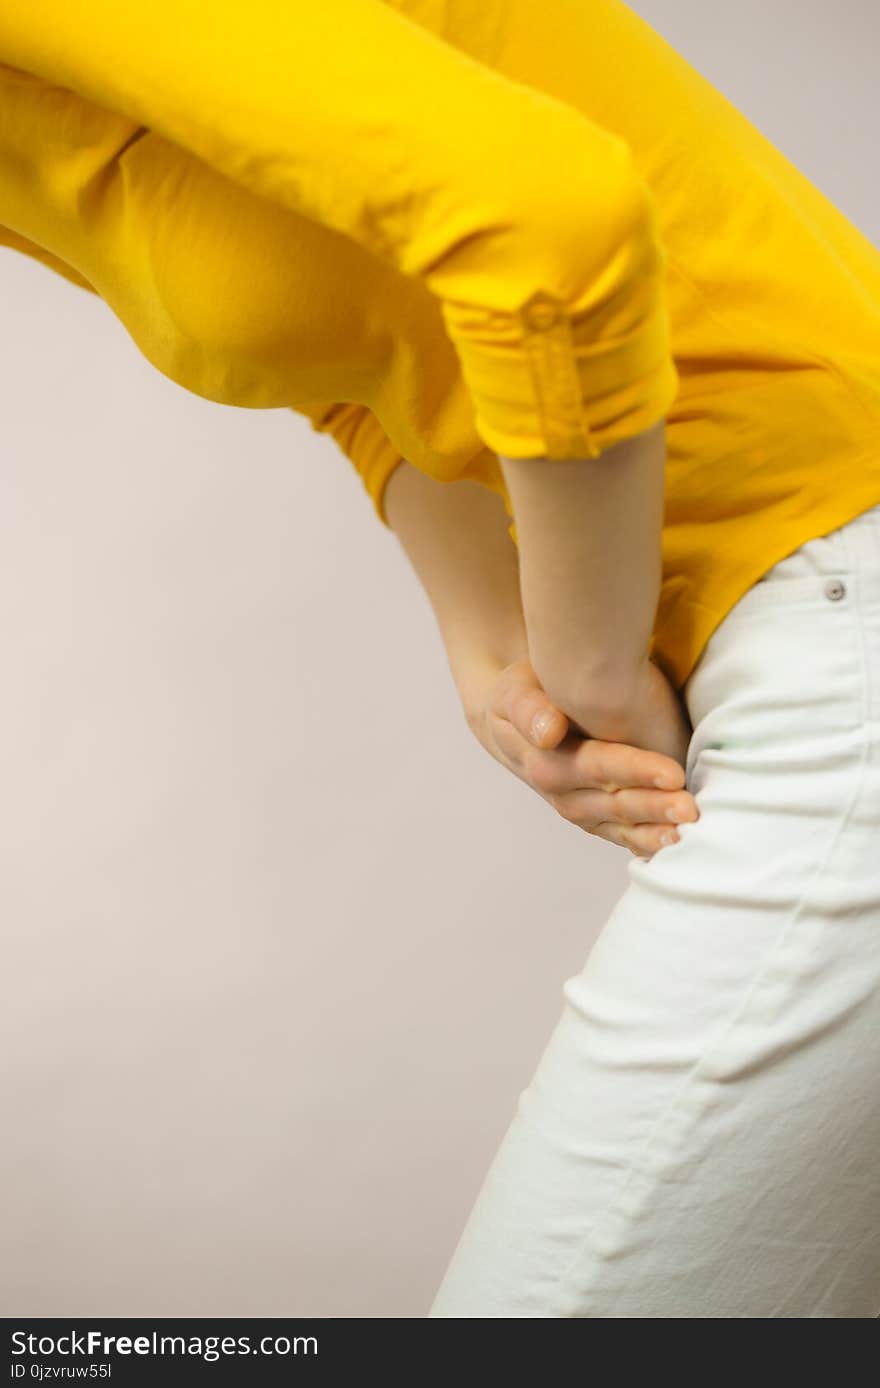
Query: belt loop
{"type": "Point", "coordinates": [860, 540]}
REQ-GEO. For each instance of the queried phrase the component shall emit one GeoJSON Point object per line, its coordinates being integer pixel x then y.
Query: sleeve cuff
{"type": "Point", "coordinates": [546, 382]}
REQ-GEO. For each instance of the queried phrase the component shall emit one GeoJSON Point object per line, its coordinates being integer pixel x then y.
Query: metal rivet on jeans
{"type": "Point", "coordinates": [835, 589]}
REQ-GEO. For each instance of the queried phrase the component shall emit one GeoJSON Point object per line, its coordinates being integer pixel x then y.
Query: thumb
{"type": "Point", "coordinates": [536, 717]}
{"type": "Point", "coordinates": [547, 724]}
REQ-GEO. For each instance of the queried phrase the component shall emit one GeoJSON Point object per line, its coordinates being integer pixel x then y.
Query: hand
{"type": "Point", "coordinates": [604, 787]}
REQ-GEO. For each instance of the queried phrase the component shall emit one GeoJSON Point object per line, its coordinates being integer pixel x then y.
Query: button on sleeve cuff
{"type": "Point", "coordinates": [561, 390]}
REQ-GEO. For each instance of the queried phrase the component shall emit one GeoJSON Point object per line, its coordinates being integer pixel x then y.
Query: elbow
{"type": "Point", "coordinates": [594, 238]}
{"type": "Point", "coordinates": [578, 225]}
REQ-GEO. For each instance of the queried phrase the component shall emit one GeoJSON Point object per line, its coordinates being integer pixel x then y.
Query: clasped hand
{"type": "Point", "coordinates": [623, 782]}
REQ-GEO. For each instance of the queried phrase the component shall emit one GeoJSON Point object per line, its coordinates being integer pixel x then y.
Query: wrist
{"type": "Point", "coordinates": [602, 700]}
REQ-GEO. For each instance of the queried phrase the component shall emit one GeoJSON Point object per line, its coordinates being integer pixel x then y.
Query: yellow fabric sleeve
{"type": "Point", "coordinates": [530, 223]}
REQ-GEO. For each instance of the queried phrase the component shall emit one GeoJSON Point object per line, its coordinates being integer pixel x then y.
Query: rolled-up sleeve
{"type": "Point", "coordinates": [530, 224]}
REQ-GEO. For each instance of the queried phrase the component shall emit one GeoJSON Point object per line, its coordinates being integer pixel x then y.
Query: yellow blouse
{"type": "Point", "coordinates": [448, 229]}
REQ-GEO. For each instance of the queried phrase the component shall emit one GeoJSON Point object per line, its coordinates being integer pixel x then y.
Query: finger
{"type": "Point", "coordinates": [639, 806]}
{"type": "Point", "coordinates": [615, 765]}
{"type": "Point", "coordinates": [630, 806]}
{"type": "Point", "coordinates": [535, 767]}
{"type": "Point", "coordinates": [642, 840]}
{"type": "Point", "coordinates": [518, 696]}
{"type": "Point", "coordinates": [510, 742]}
{"type": "Point", "coordinates": [591, 764]}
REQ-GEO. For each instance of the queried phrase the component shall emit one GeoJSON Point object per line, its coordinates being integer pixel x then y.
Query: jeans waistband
{"type": "Point", "coordinates": [860, 540]}
{"type": "Point", "coordinates": [850, 548]}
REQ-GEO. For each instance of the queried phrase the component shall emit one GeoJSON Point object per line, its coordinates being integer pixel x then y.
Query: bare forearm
{"type": "Point", "coordinates": [589, 557]}
{"type": "Point", "coordinates": [456, 537]}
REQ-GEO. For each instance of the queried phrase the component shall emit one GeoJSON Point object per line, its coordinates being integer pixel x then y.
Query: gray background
{"type": "Point", "coordinates": [282, 942]}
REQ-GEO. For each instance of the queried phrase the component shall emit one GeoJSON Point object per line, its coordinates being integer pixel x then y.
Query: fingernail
{"type": "Point", "coordinates": [540, 723]}
{"type": "Point", "coordinates": [662, 783]}
{"type": "Point", "coordinates": [675, 814]}
{"type": "Point", "coordinates": [670, 836]}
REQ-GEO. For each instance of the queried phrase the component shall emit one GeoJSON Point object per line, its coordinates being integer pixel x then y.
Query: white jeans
{"type": "Point", "coordinates": [701, 1137]}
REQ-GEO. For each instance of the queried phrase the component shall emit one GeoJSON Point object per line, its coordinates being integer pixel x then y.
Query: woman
{"type": "Point", "coordinates": [534, 249]}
